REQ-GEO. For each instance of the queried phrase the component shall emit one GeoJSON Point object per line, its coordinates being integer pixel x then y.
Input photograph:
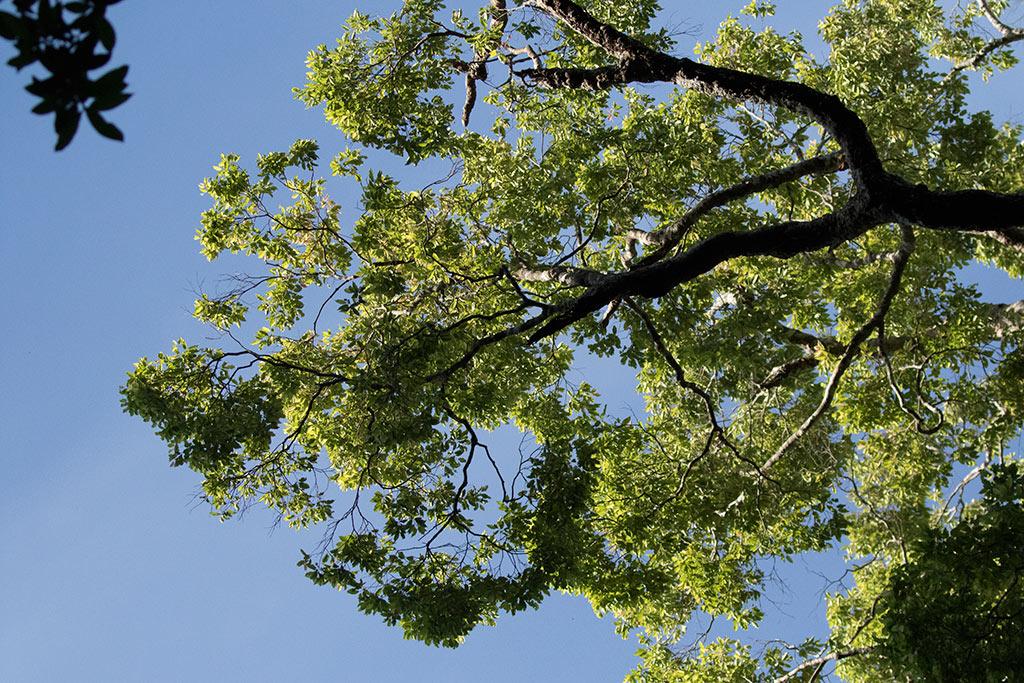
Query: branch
{"type": "Point", "coordinates": [1012, 36]}
{"type": "Point", "coordinates": [1010, 237]}
{"type": "Point", "coordinates": [970, 476]}
{"type": "Point", "coordinates": [529, 52]}
{"type": "Point", "coordinates": [857, 263]}
{"type": "Point", "coordinates": [1007, 35]}
{"type": "Point", "coordinates": [968, 210]}
{"type": "Point", "coordinates": [818, 661]}
{"type": "Point", "coordinates": [781, 373]}
{"type": "Point", "coordinates": [476, 70]}
{"type": "Point", "coordinates": [979, 211]}
{"type": "Point", "coordinates": [484, 342]}
{"type": "Point", "coordinates": [1006, 319]}
{"type": "Point", "coordinates": [783, 240]}
{"type": "Point", "coordinates": [566, 275]}
{"type": "Point", "coordinates": [852, 349]}
{"type": "Point", "coordinates": [717, 430]}
{"type": "Point", "coordinates": [639, 63]}
{"type": "Point", "coordinates": [994, 19]}
{"type": "Point", "coordinates": [616, 43]}
{"type": "Point", "coordinates": [881, 197]}
{"type": "Point", "coordinates": [669, 237]}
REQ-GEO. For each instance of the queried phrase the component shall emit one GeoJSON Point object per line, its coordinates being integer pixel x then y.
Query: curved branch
{"type": "Point", "coordinates": [783, 240]}
{"type": "Point", "coordinates": [969, 210]}
{"type": "Point", "coordinates": [476, 70]}
{"type": "Point", "coordinates": [669, 237]}
{"type": "Point", "coordinates": [852, 349]}
{"type": "Point", "coordinates": [1007, 35]}
{"type": "Point", "coordinates": [642, 64]}
{"type": "Point", "coordinates": [717, 431]}
{"type": "Point", "coordinates": [993, 18]}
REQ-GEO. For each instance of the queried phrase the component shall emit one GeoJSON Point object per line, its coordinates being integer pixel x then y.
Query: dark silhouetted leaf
{"type": "Point", "coordinates": [66, 125]}
{"type": "Point", "coordinates": [104, 127]}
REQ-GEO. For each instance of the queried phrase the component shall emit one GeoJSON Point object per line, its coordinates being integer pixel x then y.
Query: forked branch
{"type": "Point", "coordinates": [852, 349]}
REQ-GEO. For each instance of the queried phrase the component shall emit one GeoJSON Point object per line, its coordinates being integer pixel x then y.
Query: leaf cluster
{"type": "Point", "coordinates": [69, 40]}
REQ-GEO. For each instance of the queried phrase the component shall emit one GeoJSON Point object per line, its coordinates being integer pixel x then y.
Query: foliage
{"type": "Point", "coordinates": [956, 611]}
{"type": "Point", "coordinates": [69, 40]}
{"type": "Point", "coordinates": [777, 264]}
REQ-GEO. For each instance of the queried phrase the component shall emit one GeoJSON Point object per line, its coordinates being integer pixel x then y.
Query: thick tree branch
{"type": "Point", "coordinates": [781, 373]}
{"type": "Point", "coordinates": [969, 210]}
{"type": "Point", "coordinates": [783, 240]}
{"type": "Point", "coordinates": [566, 275]}
{"type": "Point", "coordinates": [668, 238]}
{"type": "Point", "coordinates": [979, 211]}
{"type": "Point", "coordinates": [1010, 237]}
{"type": "Point", "coordinates": [641, 64]}
{"type": "Point", "coordinates": [882, 197]}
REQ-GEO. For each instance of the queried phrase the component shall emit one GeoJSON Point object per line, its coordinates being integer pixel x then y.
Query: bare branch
{"type": "Point", "coordinates": [994, 19]}
{"type": "Point", "coordinates": [717, 430]}
{"type": "Point", "coordinates": [818, 661]}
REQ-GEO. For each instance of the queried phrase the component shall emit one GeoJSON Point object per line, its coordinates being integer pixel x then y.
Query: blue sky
{"type": "Point", "coordinates": [110, 570]}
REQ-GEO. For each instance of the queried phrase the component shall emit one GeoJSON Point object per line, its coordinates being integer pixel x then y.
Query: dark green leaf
{"type": "Point", "coordinates": [42, 88]}
{"type": "Point", "coordinates": [45, 107]}
{"type": "Point", "coordinates": [112, 81]}
{"type": "Point", "coordinates": [95, 61]}
{"type": "Point", "coordinates": [105, 32]}
{"type": "Point", "coordinates": [11, 27]}
{"type": "Point", "coordinates": [104, 127]}
{"type": "Point", "coordinates": [22, 60]}
{"type": "Point", "coordinates": [109, 101]}
{"type": "Point", "coordinates": [66, 125]}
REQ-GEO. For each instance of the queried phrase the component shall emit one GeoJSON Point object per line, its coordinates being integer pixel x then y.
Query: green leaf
{"type": "Point", "coordinates": [105, 32]}
{"type": "Point", "coordinates": [102, 126]}
{"type": "Point", "coordinates": [12, 27]}
{"type": "Point", "coordinates": [112, 81]}
{"type": "Point", "coordinates": [66, 125]}
{"type": "Point", "coordinates": [109, 101]}
{"type": "Point", "coordinates": [45, 107]}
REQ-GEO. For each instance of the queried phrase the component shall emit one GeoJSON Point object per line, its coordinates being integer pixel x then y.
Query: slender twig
{"type": "Point", "coordinates": [852, 349]}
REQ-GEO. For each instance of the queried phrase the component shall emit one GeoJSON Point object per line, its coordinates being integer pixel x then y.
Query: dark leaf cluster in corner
{"type": "Point", "coordinates": [70, 40]}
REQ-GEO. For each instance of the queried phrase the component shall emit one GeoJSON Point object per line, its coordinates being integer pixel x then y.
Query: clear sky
{"type": "Point", "coordinates": [109, 570]}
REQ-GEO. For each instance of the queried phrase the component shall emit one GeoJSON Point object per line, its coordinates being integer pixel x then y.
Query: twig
{"type": "Point", "coordinates": [852, 349]}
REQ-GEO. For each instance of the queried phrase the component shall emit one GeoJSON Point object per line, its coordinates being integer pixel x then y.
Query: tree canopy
{"type": "Point", "coordinates": [771, 240]}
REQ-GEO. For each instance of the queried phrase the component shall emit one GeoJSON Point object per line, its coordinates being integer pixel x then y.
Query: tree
{"type": "Point", "coordinates": [69, 40]}
{"type": "Point", "coordinates": [772, 242]}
